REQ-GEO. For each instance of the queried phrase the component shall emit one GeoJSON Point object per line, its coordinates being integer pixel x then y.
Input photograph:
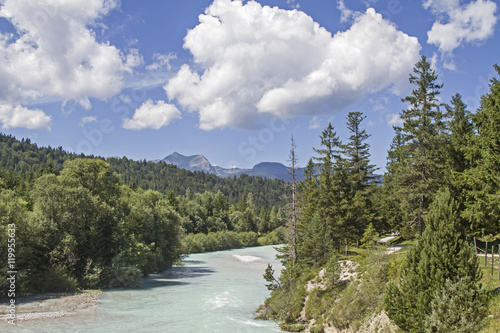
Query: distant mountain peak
{"type": "Point", "coordinates": [192, 163]}
{"type": "Point", "coordinates": [199, 162]}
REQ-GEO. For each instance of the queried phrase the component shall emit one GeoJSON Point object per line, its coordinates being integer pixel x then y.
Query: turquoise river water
{"type": "Point", "coordinates": [212, 292]}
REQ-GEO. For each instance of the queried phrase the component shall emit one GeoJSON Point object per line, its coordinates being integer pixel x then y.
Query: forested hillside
{"type": "Point", "coordinates": [441, 190]}
{"type": "Point", "coordinates": [22, 157]}
{"type": "Point", "coordinates": [82, 222]}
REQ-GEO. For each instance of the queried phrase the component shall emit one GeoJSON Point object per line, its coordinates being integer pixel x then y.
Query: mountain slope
{"type": "Point", "coordinates": [191, 163]}
{"type": "Point", "coordinates": [270, 170]}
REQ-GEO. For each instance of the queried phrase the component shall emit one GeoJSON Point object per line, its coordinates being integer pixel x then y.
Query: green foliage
{"type": "Point", "coordinates": [123, 277]}
{"type": "Point", "coordinates": [360, 176]}
{"type": "Point", "coordinates": [456, 308]}
{"type": "Point", "coordinates": [481, 182]}
{"type": "Point", "coordinates": [314, 246]}
{"type": "Point", "coordinates": [56, 279]}
{"type": "Point", "coordinates": [83, 229]}
{"type": "Point", "coordinates": [417, 162]}
{"type": "Point", "coordinates": [369, 236]}
{"type": "Point", "coordinates": [292, 327]}
{"type": "Point", "coordinates": [286, 301]}
{"type": "Point", "coordinates": [269, 277]}
{"type": "Point", "coordinates": [441, 254]}
{"type": "Point", "coordinates": [218, 241]}
{"type": "Point", "coordinates": [275, 237]}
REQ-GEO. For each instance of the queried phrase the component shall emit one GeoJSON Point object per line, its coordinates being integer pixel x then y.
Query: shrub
{"type": "Point", "coordinates": [455, 308]}
{"type": "Point", "coordinates": [124, 277]}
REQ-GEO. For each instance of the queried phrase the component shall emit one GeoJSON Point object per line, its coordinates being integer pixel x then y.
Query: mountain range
{"type": "Point", "coordinates": [271, 170]}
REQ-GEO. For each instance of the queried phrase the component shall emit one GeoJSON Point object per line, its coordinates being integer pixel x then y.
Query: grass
{"type": "Point", "coordinates": [491, 284]}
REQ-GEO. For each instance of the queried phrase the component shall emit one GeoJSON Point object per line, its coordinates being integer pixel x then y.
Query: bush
{"type": "Point", "coordinates": [92, 276]}
{"type": "Point", "coordinates": [455, 308]}
{"type": "Point", "coordinates": [218, 241]}
{"type": "Point", "coordinates": [292, 327]}
{"type": "Point", "coordinates": [124, 277]}
{"type": "Point", "coordinates": [56, 279]}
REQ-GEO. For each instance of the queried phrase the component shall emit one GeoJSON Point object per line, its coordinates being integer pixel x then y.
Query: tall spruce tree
{"type": "Point", "coordinates": [308, 194]}
{"type": "Point", "coordinates": [460, 128]}
{"type": "Point", "coordinates": [360, 176]}
{"type": "Point", "coordinates": [388, 203]}
{"type": "Point", "coordinates": [482, 179]}
{"type": "Point", "coordinates": [441, 254]}
{"type": "Point", "coordinates": [419, 174]}
{"type": "Point", "coordinates": [332, 186]}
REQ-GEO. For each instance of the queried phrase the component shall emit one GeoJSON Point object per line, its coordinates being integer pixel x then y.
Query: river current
{"type": "Point", "coordinates": [211, 292]}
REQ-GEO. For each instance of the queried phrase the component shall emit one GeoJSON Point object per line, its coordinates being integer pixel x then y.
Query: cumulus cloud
{"type": "Point", "coordinates": [152, 115]}
{"type": "Point", "coordinates": [254, 61]}
{"type": "Point", "coordinates": [54, 55]}
{"type": "Point", "coordinates": [458, 24]}
{"type": "Point", "coordinates": [18, 116]}
{"type": "Point", "coordinates": [87, 120]}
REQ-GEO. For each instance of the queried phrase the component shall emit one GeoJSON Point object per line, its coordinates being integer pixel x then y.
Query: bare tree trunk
{"type": "Point", "coordinates": [293, 224]}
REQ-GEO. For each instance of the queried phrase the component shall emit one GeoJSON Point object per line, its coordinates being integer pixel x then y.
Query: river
{"type": "Point", "coordinates": [212, 292]}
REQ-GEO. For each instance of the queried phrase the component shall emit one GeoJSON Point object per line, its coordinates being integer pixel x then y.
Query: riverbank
{"type": "Point", "coordinates": [52, 305]}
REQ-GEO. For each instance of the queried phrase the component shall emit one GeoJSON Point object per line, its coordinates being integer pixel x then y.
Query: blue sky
{"type": "Point", "coordinates": [228, 79]}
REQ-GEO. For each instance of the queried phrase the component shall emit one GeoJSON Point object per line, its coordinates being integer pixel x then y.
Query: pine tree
{"type": "Point", "coordinates": [332, 186]}
{"type": "Point", "coordinates": [441, 254]}
{"type": "Point", "coordinates": [482, 179]}
{"type": "Point", "coordinates": [308, 194]}
{"type": "Point", "coordinates": [460, 129]}
{"type": "Point", "coordinates": [315, 245]}
{"type": "Point", "coordinates": [420, 172]}
{"type": "Point", "coordinates": [389, 203]}
{"type": "Point", "coordinates": [360, 176]}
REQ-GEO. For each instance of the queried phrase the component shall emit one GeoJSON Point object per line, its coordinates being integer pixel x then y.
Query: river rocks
{"type": "Point", "coordinates": [48, 306]}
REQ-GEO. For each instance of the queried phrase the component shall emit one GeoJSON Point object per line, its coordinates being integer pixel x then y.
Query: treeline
{"type": "Point", "coordinates": [442, 187]}
{"type": "Point", "coordinates": [25, 160]}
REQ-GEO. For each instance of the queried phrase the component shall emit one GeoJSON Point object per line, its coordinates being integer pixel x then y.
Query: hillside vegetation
{"type": "Point", "coordinates": [441, 191]}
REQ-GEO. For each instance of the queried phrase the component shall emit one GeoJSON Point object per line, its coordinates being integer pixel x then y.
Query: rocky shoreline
{"type": "Point", "coordinates": [52, 305]}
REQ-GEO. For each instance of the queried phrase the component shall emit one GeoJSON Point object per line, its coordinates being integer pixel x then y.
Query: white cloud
{"type": "Point", "coordinates": [394, 119]}
{"type": "Point", "coordinates": [162, 61]}
{"type": "Point", "coordinates": [345, 13]}
{"type": "Point", "coordinates": [314, 123]}
{"type": "Point", "coordinates": [457, 24]}
{"type": "Point", "coordinates": [152, 115]}
{"type": "Point", "coordinates": [87, 120]}
{"type": "Point", "coordinates": [256, 61]}
{"type": "Point", "coordinates": [18, 116]}
{"type": "Point", "coordinates": [54, 54]}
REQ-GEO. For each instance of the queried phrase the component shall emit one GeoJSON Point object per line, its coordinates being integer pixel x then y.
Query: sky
{"type": "Point", "coordinates": [232, 80]}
